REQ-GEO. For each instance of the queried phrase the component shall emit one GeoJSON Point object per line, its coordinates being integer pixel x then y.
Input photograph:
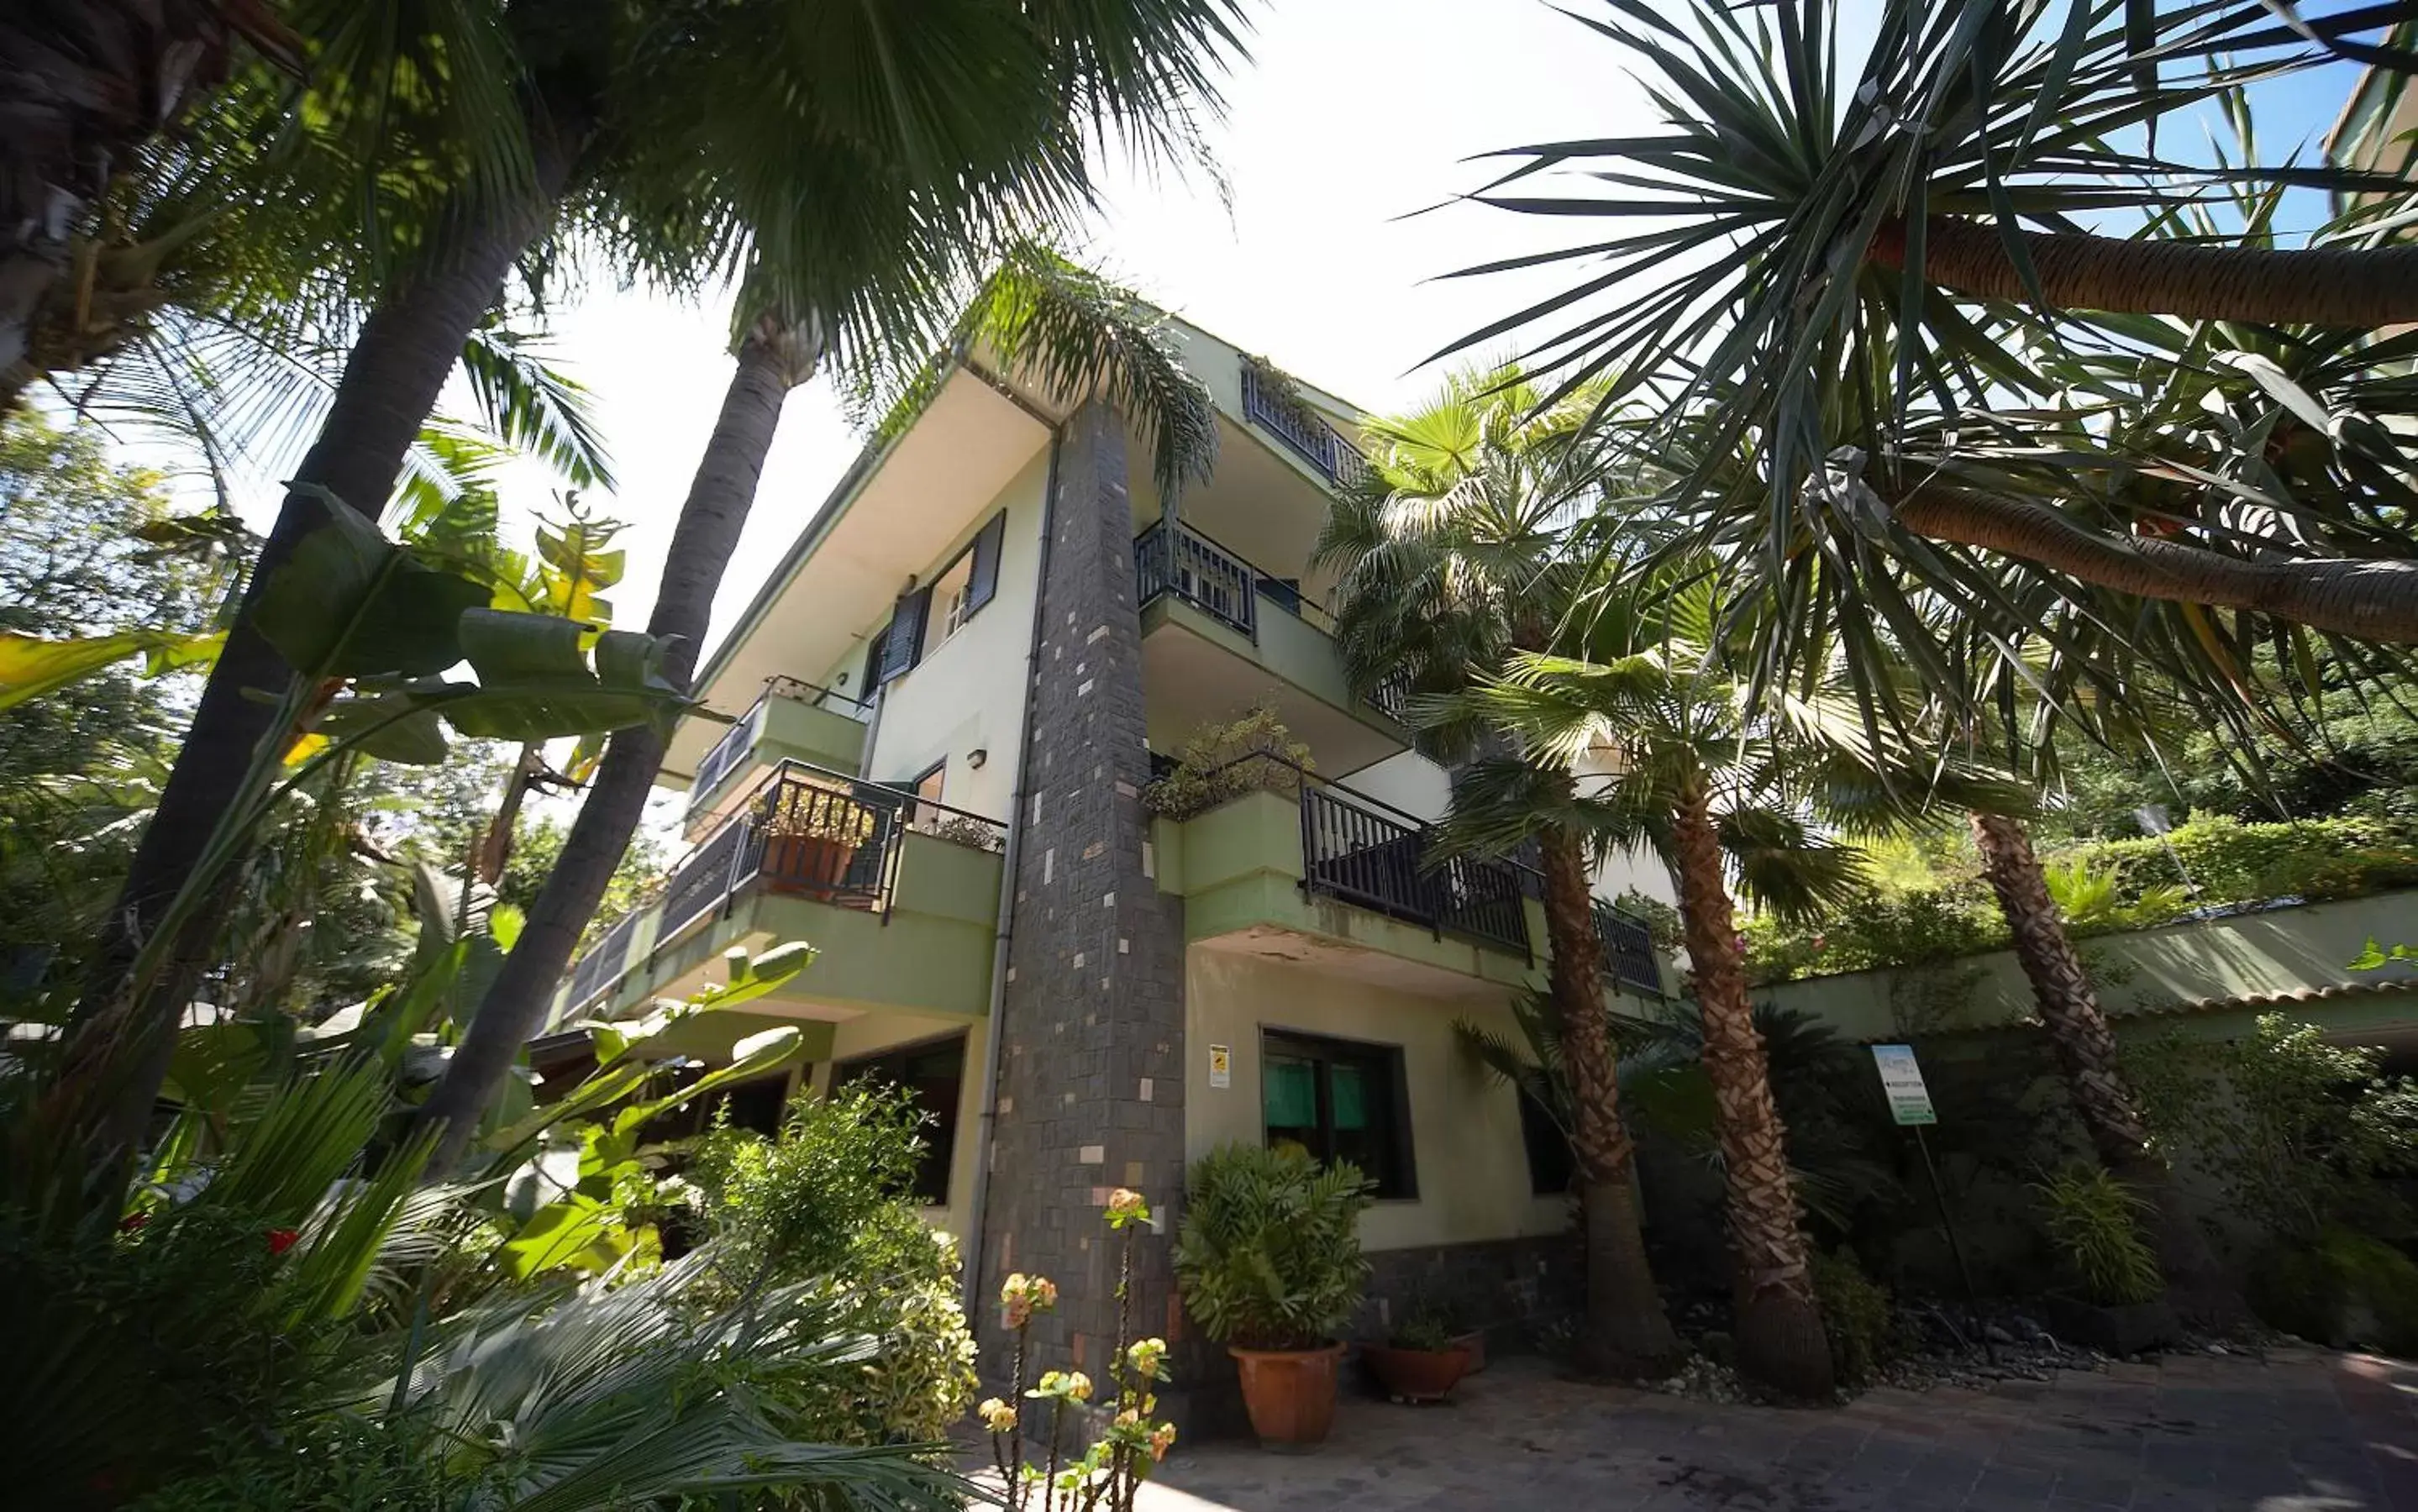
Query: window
{"type": "Point", "coordinates": [934, 1073]}
{"type": "Point", "coordinates": [1339, 1101]}
{"type": "Point", "coordinates": [1551, 1168]}
{"type": "Point", "coordinates": [951, 601]}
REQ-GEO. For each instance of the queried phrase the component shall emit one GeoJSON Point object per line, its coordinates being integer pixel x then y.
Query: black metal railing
{"type": "Point", "coordinates": [1199, 571]}
{"type": "Point", "coordinates": [1299, 427]}
{"type": "Point", "coordinates": [1374, 856]}
{"type": "Point", "coordinates": [806, 830]}
{"type": "Point", "coordinates": [728, 754]}
{"type": "Point", "coordinates": [1629, 956]}
{"type": "Point", "coordinates": [1392, 698]}
{"type": "Point", "coordinates": [602, 966]}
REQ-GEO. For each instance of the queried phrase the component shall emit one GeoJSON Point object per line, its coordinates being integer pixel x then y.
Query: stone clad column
{"type": "Point", "coordinates": [1091, 1092]}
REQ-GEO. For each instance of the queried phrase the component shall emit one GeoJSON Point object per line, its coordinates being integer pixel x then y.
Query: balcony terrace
{"type": "Point", "coordinates": [1304, 869]}
{"type": "Point", "coordinates": [791, 720]}
{"type": "Point", "coordinates": [1219, 634]}
{"type": "Point", "coordinates": [899, 895]}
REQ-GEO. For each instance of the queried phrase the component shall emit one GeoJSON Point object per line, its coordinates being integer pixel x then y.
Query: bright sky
{"type": "Point", "coordinates": [1352, 114]}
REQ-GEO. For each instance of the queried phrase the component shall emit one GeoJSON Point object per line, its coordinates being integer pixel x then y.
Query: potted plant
{"type": "Point", "coordinates": [2095, 1222]}
{"type": "Point", "coordinates": [1420, 1360]}
{"type": "Point", "coordinates": [812, 833]}
{"type": "Point", "coordinates": [1269, 1263]}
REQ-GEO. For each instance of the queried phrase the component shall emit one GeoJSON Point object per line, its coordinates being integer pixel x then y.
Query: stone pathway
{"type": "Point", "coordinates": [2303, 1431]}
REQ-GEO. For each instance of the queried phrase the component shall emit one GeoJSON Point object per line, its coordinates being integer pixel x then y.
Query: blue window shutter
{"type": "Point", "coordinates": [904, 646]}
{"type": "Point", "coordinates": [982, 579]}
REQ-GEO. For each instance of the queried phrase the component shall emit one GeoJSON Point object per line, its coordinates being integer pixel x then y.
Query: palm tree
{"type": "Point", "coordinates": [1685, 758]}
{"type": "Point", "coordinates": [84, 84]}
{"type": "Point", "coordinates": [1446, 555]}
{"type": "Point", "coordinates": [831, 154]}
{"type": "Point", "coordinates": [1039, 317]}
{"type": "Point", "coordinates": [1791, 228]}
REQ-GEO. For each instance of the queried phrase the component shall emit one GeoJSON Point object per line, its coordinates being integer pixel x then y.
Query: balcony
{"type": "Point", "coordinates": [791, 720]}
{"type": "Point", "coordinates": [1288, 866]}
{"type": "Point", "coordinates": [1303, 431]}
{"type": "Point", "coordinates": [1219, 634]}
{"type": "Point", "coordinates": [898, 894]}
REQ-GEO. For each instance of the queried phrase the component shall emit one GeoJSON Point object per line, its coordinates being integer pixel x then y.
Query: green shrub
{"type": "Point", "coordinates": [2297, 1132]}
{"type": "Point", "coordinates": [2345, 1290]}
{"type": "Point", "coordinates": [1214, 765]}
{"type": "Point", "coordinates": [1911, 928]}
{"type": "Point", "coordinates": [2095, 1222]}
{"type": "Point", "coordinates": [1856, 1315]}
{"type": "Point", "coordinates": [2232, 861]}
{"type": "Point", "coordinates": [1269, 1256]}
{"type": "Point", "coordinates": [832, 1200]}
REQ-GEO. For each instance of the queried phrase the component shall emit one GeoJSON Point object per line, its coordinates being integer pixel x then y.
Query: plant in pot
{"type": "Point", "coordinates": [1420, 1361]}
{"type": "Point", "coordinates": [1269, 1263]}
{"type": "Point", "coordinates": [2120, 1304]}
{"type": "Point", "coordinates": [811, 834]}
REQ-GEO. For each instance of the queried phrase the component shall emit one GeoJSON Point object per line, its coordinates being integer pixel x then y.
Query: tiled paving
{"type": "Point", "coordinates": [2299, 1431]}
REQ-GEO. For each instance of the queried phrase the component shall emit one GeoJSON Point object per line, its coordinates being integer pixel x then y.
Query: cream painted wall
{"type": "Point", "coordinates": [1409, 781]}
{"type": "Point", "coordinates": [865, 1034]}
{"type": "Point", "coordinates": [1471, 1170]}
{"type": "Point", "coordinates": [967, 693]}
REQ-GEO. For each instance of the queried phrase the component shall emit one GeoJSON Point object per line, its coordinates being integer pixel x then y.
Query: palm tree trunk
{"type": "Point", "coordinates": [1626, 1331]}
{"type": "Point", "coordinates": [125, 1031]}
{"type": "Point", "coordinates": [2085, 1048]}
{"type": "Point", "coordinates": [771, 364]}
{"type": "Point", "coordinates": [2359, 288]}
{"type": "Point", "coordinates": [82, 84]}
{"type": "Point", "coordinates": [2368, 599]}
{"type": "Point", "coordinates": [1780, 1337]}
{"type": "Point", "coordinates": [494, 850]}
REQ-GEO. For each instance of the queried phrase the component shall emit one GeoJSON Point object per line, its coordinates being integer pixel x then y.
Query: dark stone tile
{"type": "Point", "coordinates": [2005, 1485]}
{"type": "Point", "coordinates": [2094, 1489]}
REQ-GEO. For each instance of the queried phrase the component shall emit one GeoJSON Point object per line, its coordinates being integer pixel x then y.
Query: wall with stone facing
{"type": "Point", "coordinates": [1511, 1288]}
{"type": "Point", "coordinates": [1091, 1091]}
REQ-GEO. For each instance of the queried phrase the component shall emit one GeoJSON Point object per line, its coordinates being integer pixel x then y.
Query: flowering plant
{"type": "Point", "coordinates": [1106, 1476]}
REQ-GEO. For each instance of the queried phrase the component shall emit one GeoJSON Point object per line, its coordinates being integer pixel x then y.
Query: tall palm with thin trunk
{"type": "Point", "coordinates": [1636, 694]}
{"type": "Point", "coordinates": [1446, 555]}
{"type": "Point", "coordinates": [1038, 317]}
{"type": "Point", "coordinates": [856, 163]}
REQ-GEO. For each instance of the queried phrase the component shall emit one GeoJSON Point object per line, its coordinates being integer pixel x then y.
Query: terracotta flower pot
{"type": "Point", "coordinates": [1289, 1393]}
{"type": "Point", "coordinates": [810, 863]}
{"type": "Point", "coordinates": [1416, 1375]}
{"type": "Point", "coordinates": [1475, 1343]}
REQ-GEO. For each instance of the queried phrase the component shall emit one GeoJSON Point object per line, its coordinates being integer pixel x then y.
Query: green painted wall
{"type": "Point", "coordinates": [2283, 949]}
{"type": "Point", "coordinates": [793, 728]}
{"type": "Point", "coordinates": [1239, 867]}
{"type": "Point", "coordinates": [1289, 647]}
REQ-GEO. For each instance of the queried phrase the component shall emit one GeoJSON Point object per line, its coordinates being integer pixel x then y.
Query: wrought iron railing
{"type": "Point", "coordinates": [1392, 698]}
{"type": "Point", "coordinates": [1374, 856]}
{"type": "Point", "coordinates": [1629, 956]}
{"type": "Point", "coordinates": [602, 966]}
{"type": "Point", "coordinates": [1299, 427]}
{"type": "Point", "coordinates": [806, 830]}
{"type": "Point", "coordinates": [1197, 570]}
{"type": "Point", "coordinates": [731, 752]}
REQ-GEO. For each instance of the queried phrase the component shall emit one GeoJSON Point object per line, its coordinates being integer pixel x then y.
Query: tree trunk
{"type": "Point", "coordinates": [2085, 1054]}
{"type": "Point", "coordinates": [771, 364]}
{"type": "Point", "coordinates": [125, 1031]}
{"type": "Point", "coordinates": [2358, 288]}
{"type": "Point", "coordinates": [1781, 1341]}
{"type": "Point", "coordinates": [496, 847]}
{"type": "Point", "coordinates": [82, 84]}
{"type": "Point", "coordinates": [1626, 1331]}
{"type": "Point", "coordinates": [2367, 599]}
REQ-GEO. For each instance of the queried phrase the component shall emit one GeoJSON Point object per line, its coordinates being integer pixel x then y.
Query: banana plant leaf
{"type": "Point", "coordinates": [33, 667]}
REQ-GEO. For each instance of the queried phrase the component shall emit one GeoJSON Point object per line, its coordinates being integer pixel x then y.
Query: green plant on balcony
{"type": "Point", "coordinates": [817, 812]}
{"type": "Point", "coordinates": [963, 829]}
{"type": "Point", "coordinates": [1219, 763]}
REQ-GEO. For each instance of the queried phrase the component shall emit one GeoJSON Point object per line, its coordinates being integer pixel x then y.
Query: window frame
{"type": "Point", "coordinates": [1399, 1181]}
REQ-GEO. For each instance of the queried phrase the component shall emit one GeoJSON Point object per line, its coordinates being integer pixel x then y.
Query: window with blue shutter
{"type": "Point", "coordinates": [984, 582]}
{"type": "Point", "coordinates": [904, 644]}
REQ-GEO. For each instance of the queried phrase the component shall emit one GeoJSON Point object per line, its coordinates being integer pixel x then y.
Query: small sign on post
{"type": "Point", "coordinates": [1909, 1100]}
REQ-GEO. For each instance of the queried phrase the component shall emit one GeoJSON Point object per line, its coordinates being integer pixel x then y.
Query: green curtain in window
{"type": "Point", "coordinates": [1288, 1095]}
{"type": "Point", "coordinates": [1347, 1084]}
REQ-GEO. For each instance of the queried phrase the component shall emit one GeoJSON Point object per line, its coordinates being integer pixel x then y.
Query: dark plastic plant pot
{"type": "Point", "coordinates": [1289, 1394]}
{"type": "Point", "coordinates": [1416, 1375]}
{"type": "Point", "coordinates": [2128, 1329]}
